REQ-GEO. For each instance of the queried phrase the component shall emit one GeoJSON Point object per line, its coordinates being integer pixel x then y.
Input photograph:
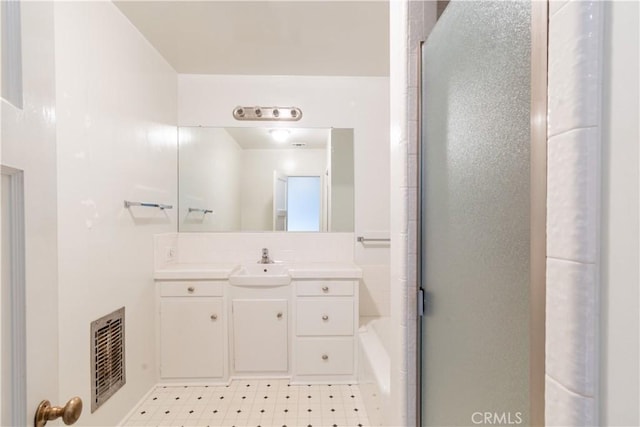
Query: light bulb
{"type": "Point", "coordinates": [280, 135]}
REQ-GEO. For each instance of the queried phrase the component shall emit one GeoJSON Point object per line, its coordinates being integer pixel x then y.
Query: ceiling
{"type": "Point", "coordinates": [260, 138]}
{"type": "Point", "coordinates": [320, 38]}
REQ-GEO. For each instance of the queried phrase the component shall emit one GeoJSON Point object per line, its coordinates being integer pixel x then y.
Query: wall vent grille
{"type": "Point", "coordinates": [107, 357]}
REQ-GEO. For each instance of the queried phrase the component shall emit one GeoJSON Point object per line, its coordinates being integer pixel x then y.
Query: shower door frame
{"type": "Point", "coordinates": [538, 217]}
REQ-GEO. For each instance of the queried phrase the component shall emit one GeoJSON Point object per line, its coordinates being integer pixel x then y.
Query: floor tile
{"type": "Point", "coordinates": [264, 403]}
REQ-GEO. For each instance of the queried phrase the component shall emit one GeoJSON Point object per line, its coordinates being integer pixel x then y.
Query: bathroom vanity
{"type": "Point", "coordinates": [217, 322]}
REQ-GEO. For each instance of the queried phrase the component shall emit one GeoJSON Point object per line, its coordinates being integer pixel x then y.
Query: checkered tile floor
{"type": "Point", "coordinates": [256, 403]}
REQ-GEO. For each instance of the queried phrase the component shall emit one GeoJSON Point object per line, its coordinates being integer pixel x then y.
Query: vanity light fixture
{"type": "Point", "coordinates": [291, 114]}
{"type": "Point", "coordinates": [279, 135]}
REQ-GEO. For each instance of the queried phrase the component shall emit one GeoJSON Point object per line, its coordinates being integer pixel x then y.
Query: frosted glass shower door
{"type": "Point", "coordinates": [475, 215]}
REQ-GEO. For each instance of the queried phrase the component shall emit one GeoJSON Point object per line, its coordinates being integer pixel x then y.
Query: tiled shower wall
{"type": "Point", "coordinates": [592, 269]}
{"type": "Point", "coordinates": [573, 210]}
{"type": "Point", "coordinates": [411, 22]}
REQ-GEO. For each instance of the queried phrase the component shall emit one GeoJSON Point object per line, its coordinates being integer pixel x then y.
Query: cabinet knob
{"type": "Point", "coordinates": [214, 317]}
{"type": "Point", "coordinates": [325, 317]}
{"type": "Point", "coordinates": [191, 289]}
{"type": "Point", "coordinates": [325, 357]}
{"type": "Point", "coordinates": [325, 289]}
{"type": "Point", "coordinates": [279, 315]}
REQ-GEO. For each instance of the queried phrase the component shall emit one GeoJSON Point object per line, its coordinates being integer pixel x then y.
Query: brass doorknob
{"type": "Point", "coordinates": [69, 412]}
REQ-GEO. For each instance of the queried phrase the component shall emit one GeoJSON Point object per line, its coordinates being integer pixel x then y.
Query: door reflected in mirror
{"type": "Point", "coordinates": [303, 203]}
{"type": "Point", "coordinates": [265, 179]}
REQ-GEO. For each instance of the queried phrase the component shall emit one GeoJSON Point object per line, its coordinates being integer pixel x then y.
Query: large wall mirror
{"type": "Point", "coordinates": [265, 179]}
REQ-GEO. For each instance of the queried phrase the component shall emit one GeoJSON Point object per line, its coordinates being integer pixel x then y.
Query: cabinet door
{"type": "Point", "coordinates": [260, 335]}
{"type": "Point", "coordinates": [191, 338]}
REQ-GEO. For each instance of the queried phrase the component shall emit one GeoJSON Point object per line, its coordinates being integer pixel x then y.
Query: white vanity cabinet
{"type": "Point", "coordinates": [192, 330]}
{"type": "Point", "coordinates": [221, 322]}
{"type": "Point", "coordinates": [325, 327]}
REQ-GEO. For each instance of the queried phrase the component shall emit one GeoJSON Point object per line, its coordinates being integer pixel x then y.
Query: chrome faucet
{"type": "Point", "coordinates": [265, 257]}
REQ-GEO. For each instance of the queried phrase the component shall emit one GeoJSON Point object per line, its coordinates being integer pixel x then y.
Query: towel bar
{"type": "Point", "coordinates": [362, 239]}
{"type": "Point", "coordinates": [128, 204]}
{"type": "Point", "coordinates": [204, 211]}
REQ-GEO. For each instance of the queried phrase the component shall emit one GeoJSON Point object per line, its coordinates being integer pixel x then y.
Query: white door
{"type": "Point", "coordinates": [5, 310]}
{"type": "Point", "coordinates": [279, 201]}
{"type": "Point", "coordinates": [12, 302]}
{"type": "Point", "coordinates": [28, 332]}
{"type": "Point", "coordinates": [304, 202]}
{"type": "Point", "coordinates": [29, 344]}
{"type": "Point", "coordinates": [18, 403]}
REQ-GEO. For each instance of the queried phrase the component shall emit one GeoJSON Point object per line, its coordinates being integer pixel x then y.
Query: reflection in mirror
{"type": "Point", "coordinates": [265, 179]}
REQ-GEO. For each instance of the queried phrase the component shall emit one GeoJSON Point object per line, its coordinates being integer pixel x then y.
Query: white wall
{"type": "Point", "coordinates": [361, 103]}
{"type": "Point", "coordinates": [211, 156]}
{"type": "Point", "coordinates": [29, 144]}
{"type": "Point", "coordinates": [117, 140]}
{"type": "Point", "coordinates": [256, 186]}
{"type": "Point", "coordinates": [619, 388]}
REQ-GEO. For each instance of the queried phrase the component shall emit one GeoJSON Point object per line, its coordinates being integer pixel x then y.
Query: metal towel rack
{"type": "Point", "coordinates": [362, 239]}
{"type": "Point", "coordinates": [128, 204]}
{"type": "Point", "coordinates": [204, 211]}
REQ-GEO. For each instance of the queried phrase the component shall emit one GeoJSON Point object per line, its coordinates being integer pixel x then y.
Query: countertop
{"type": "Point", "coordinates": [215, 271]}
{"type": "Point", "coordinates": [194, 271]}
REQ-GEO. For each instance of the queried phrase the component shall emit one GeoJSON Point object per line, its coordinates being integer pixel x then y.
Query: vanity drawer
{"type": "Point", "coordinates": [325, 287]}
{"type": "Point", "coordinates": [324, 316]}
{"type": "Point", "coordinates": [188, 289]}
{"type": "Point", "coordinates": [322, 356]}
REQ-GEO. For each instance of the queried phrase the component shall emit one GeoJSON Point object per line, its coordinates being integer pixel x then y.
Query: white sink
{"type": "Point", "coordinates": [260, 275]}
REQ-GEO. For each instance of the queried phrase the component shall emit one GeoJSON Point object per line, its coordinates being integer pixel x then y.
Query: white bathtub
{"type": "Point", "coordinates": [374, 372]}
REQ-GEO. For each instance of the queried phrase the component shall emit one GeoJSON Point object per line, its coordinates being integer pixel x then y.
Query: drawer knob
{"type": "Point", "coordinates": [279, 315]}
{"type": "Point", "coordinates": [325, 289]}
{"type": "Point", "coordinates": [214, 317]}
{"type": "Point", "coordinates": [191, 289]}
{"type": "Point", "coordinates": [325, 357]}
{"type": "Point", "coordinates": [325, 317]}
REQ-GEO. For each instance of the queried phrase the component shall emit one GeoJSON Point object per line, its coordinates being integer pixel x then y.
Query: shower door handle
{"type": "Point", "coordinates": [425, 302]}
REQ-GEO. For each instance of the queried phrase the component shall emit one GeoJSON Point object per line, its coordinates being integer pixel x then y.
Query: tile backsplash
{"type": "Point", "coordinates": [201, 248]}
